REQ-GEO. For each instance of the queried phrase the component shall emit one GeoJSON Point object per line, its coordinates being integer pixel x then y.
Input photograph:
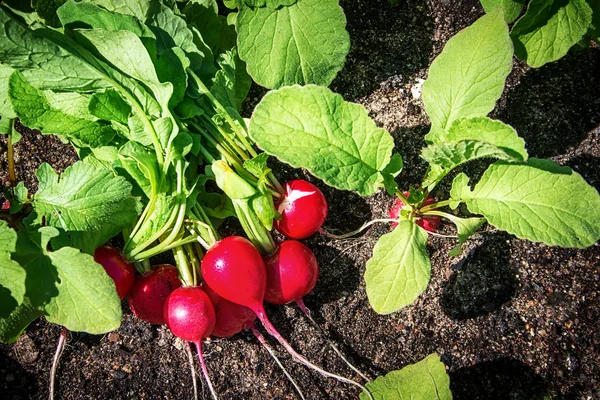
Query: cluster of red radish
{"type": "Point", "coordinates": [237, 279]}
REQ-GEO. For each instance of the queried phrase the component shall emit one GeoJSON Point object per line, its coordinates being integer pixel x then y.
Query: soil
{"type": "Point", "coordinates": [510, 319]}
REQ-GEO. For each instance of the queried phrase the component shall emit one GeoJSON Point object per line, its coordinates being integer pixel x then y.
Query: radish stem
{"type": "Point", "coordinates": [306, 311]}
{"type": "Point", "coordinates": [362, 228]}
{"type": "Point", "coordinates": [262, 316]}
{"type": "Point", "coordinates": [190, 356]}
{"type": "Point", "coordinates": [10, 155]}
{"type": "Point", "coordinates": [204, 370]}
{"type": "Point", "coordinates": [59, 350]}
{"type": "Point", "coordinates": [262, 341]}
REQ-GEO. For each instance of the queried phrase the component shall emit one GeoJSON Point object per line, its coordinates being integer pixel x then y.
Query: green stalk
{"type": "Point", "coordinates": [434, 206]}
{"type": "Point", "coordinates": [187, 278]}
{"type": "Point", "coordinates": [10, 155]}
{"type": "Point", "coordinates": [257, 233]}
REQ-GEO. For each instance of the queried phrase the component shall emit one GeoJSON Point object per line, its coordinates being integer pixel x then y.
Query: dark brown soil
{"type": "Point", "coordinates": [510, 319]}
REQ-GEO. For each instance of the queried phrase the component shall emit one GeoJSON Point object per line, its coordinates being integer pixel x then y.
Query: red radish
{"type": "Point", "coordinates": [117, 268]}
{"type": "Point", "coordinates": [429, 223]}
{"type": "Point", "coordinates": [231, 318]}
{"type": "Point", "coordinates": [234, 269]}
{"type": "Point", "coordinates": [292, 273]}
{"type": "Point", "coordinates": [303, 210]}
{"type": "Point", "coordinates": [150, 290]}
{"type": "Point", "coordinates": [190, 315]}
{"type": "Point", "coordinates": [5, 205]}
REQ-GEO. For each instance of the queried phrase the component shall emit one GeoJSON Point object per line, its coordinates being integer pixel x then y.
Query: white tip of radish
{"type": "Point", "coordinates": [290, 197]}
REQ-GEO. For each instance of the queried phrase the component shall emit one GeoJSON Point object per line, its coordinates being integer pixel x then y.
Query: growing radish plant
{"type": "Point", "coordinates": [548, 30]}
{"type": "Point", "coordinates": [531, 198]}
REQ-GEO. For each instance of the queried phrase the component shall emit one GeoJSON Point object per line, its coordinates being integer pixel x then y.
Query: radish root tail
{"type": "Point", "coordinates": [300, 358]}
{"type": "Point", "coordinates": [59, 350]}
{"type": "Point", "coordinates": [205, 370]}
{"type": "Point", "coordinates": [190, 356]}
{"type": "Point", "coordinates": [306, 311]}
{"type": "Point", "coordinates": [262, 341]}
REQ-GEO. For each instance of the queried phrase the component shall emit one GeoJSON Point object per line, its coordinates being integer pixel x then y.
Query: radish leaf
{"type": "Point", "coordinates": [426, 379]}
{"type": "Point", "coordinates": [304, 43]}
{"type": "Point", "coordinates": [12, 275]}
{"type": "Point", "coordinates": [34, 110]}
{"type": "Point", "coordinates": [511, 8]}
{"type": "Point", "coordinates": [334, 139]}
{"type": "Point", "coordinates": [399, 270]}
{"type": "Point", "coordinates": [66, 285]}
{"type": "Point", "coordinates": [470, 139]}
{"type": "Point", "coordinates": [53, 67]}
{"type": "Point", "coordinates": [549, 29]}
{"type": "Point", "coordinates": [89, 204]}
{"type": "Point", "coordinates": [538, 200]}
{"type": "Point", "coordinates": [467, 78]}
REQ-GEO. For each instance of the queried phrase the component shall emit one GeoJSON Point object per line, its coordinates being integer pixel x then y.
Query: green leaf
{"type": "Point", "coordinates": [230, 182]}
{"type": "Point", "coordinates": [109, 106]}
{"type": "Point", "coordinates": [13, 326]}
{"type": "Point", "coordinates": [53, 67]}
{"type": "Point", "coordinates": [141, 9]}
{"type": "Point", "coordinates": [390, 172]}
{"type": "Point", "coordinates": [467, 78]}
{"type": "Point", "coordinates": [539, 201]}
{"type": "Point", "coordinates": [12, 275]}
{"type": "Point", "coordinates": [426, 379]}
{"type": "Point", "coordinates": [399, 270]}
{"type": "Point", "coordinates": [6, 109]}
{"type": "Point", "coordinates": [304, 43]}
{"type": "Point", "coordinates": [214, 29]}
{"type": "Point", "coordinates": [269, 3]}
{"type": "Point", "coordinates": [549, 29]}
{"type": "Point", "coordinates": [465, 227]}
{"type": "Point", "coordinates": [490, 131]}
{"type": "Point", "coordinates": [172, 30]}
{"type": "Point", "coordinates": [231, 83]}
{"type": "Point", "coordinates": [460, 189]}
{"type": "Point", "coordinates": [75, 15]}
{"type": "Point", "coordinates": [511, 8]}
{"type": "Point", "coordinates": [34, 110]}
{"type": "Point", "coordinates": [66, 285]}
{"type": "Point", "coordinates": [257, 166]}
{"type": "Point", "coordinates": [335, 140]}
{"type": "Point", "coordinates": [470, 139]}
{"type": "Point", "coordinates": [87, 299]}
{"type": "Point", "coordinates": [135, 62]}
{"type": "Point", "coordinates": [88, 203]}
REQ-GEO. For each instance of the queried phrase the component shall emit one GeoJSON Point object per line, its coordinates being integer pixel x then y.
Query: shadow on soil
{"type": "Point", "coordinates": [482, 282]}
{"type": "Point", "coordinates": [554, 107]}
{"type": "Point", "coordinates": [504, 378]}
{"type": "Point", "coordinates": [14, 381]}
{"type": "Point", "coordinates": [387, 42]}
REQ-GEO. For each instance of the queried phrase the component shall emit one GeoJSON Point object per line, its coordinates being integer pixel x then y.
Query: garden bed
{"type": "Point", "coordinates": [509, 318]}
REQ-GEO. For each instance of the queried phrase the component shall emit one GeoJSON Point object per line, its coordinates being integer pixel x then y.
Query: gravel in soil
{"type": "Point", "coordinates": [510, 319]}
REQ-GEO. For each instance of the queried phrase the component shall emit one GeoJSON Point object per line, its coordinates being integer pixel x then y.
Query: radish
{"type": "Point", "coordinates": [5, 205]}
{"type": "Point", "coordinates": [234, 269]}
{"type": "Point", "coordinates": [429, 223]}
{"type": "Point", "coordinates": [292, 272]}
{"type": "Point", "coordinates": [231, 318]}
{"type": "Point", "coordinates": [190, 315]}
{"type": "Point", "coordinates": [303, 210]}
{"type": "Point", "coordinates": [150, 291]}
{"type": "Point", "coordinates": [117, 268]}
